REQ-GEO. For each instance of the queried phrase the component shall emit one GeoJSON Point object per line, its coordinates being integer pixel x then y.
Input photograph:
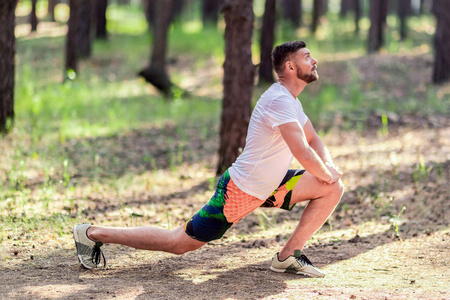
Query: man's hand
{"type": "Point", "coordinates": [335, 174]}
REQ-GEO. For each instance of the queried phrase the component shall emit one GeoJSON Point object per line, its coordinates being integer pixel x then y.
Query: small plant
{"type": "Point", "coordinates": [395, 222]}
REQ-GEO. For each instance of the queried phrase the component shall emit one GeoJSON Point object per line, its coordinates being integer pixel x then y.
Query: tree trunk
{"type": "Point", "coordinates": [100, 19]}
{"type": "Point", "coordinates": [267, 40]}
{"type": "Point", "coordinates": [404, 9]}
{"type": "Point", "coordinates": [156, 73]}
{"type": "Point", "coordinates": [33, 16]}
{"type": "Point", "coordinates": [51, 9]}
{"type": "Point", "coordinates": [346, 6]}
{"type": "Point", "coordinates": [7, 50]}
{"type": "Point", "coordinates": [319, 9]}
{"type": "Point", "coordinates": [84, 27]}
{"type": "Point", "coordinates": [210, 11]}
{"type": "Point", "coordinates": [78, 42]}
{"type": "Point", "coordinates": [357, 9]}
{"type": "Point", "coordinates": [441, 68]}
{"type": "Point", "coordinates": [292, 11]}
{"type": "Point", "coordinates": [239, 73]}
{"type": "Point", "coordinates": [378, 11]}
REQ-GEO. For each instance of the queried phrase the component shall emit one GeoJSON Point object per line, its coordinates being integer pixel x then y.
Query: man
{"type": "Point", "coordinates": [278, 131]}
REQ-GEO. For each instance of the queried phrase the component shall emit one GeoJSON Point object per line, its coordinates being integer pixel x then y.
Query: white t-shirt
{"type": "Point", "coordinates": [266, 157]}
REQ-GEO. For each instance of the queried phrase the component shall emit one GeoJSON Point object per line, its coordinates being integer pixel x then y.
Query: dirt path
{"type": "Point", "coordinates": [371, 248]}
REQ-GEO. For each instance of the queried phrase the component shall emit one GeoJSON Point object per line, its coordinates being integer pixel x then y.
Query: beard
{"type": "Point", "coordinates": [308, 78]}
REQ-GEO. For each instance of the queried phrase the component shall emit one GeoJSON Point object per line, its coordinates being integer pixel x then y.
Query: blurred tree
{"type": "Point", "coordinates": [150, 10]}
{"type": "Point", "coordinates": [404, 10]}
{"type": "Point", "coordinates": [320, 8]}
{"type": "Point", "coordinates": [378, 13]}
{"type": "Point", "coordinates": [100, 19]}
{"type": "Point", "coordinates": [210, 11]}
{"type": "Point", "coordinates": [292, 11]}
{"type": "Point", "coordinates": [84, 28]}
{"type": "Point", "coordinates": [266, 42]}
{"type": "Point", "coordinates": [33, 16]}
{"type": "Point", "coordinates": [155, 73]}
{"type": "Point", "coordinates": [441, 69]}
{"type": "Point", "coordinates": [51, 9]}
{"type": "Point", "coordinates": [7, 51]}
{"type": "Point", "coordinates": [351, 5]}
{"type": "Point", "coordinates": [239, 73]}
{"type": "Point", "coordinates": [78, 42]}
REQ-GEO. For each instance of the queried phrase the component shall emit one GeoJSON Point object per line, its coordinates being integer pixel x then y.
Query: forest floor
{"type": "Point", "coordinates": [389, 238]}
{"type": "Point", "coordinates": [369, 249]}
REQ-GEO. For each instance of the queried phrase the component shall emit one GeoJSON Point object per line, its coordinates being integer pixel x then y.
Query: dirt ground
{"type": "Point", "coordinates": [371, 248]}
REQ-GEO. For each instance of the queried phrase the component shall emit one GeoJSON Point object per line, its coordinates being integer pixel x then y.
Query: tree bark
{"type": "Point", "coordinates": [7, 51]}
{"type": "Point", "coordinates": [84, 27]}
{"type": "Point", "coordinates": [441, 68]}
{"type": "Point", "coordinates": [156, 73]}
{"type": "Point", "coordinates": [100, 19]}
{"type": "Point", "coordinates": [378, 11]}
{"type": "Point", "coordinates": [239, 73]}
{"type": "Point", "coordinates": [266, 42]}
{"type": "Point", "coordinates": [51, 9]}
{"type": "Point", "coordinates": [33, 16]}
{"type": "Point", "coordinates": [319, 9]}
{"type": "Point", "coordinates": [292, 11]}
{"type": "Point", "coordinates": [404, 10]}
{"type": "Point", "coordinates": [357, 9]}
{"type": "Point", "coordinates": [210, 11]}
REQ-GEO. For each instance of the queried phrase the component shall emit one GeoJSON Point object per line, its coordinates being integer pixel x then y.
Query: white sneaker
{"type": "Point", "coordinates": [297, 264]}
{"type": "Point", "coordinates": [88, 252]}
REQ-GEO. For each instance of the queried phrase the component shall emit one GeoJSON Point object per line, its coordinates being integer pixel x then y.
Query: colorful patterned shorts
{"type": "Point", "coordinates": [229, 205]}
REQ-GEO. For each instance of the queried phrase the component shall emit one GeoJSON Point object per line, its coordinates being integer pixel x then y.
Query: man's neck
{"type": "Point", "coordinates": [294, 86]}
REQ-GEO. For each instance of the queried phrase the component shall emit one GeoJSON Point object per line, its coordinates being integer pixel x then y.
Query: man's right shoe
{"type": "Point", "coordinates": [88, 252]}
{"type": "Point", "coordinates": [297, 264]}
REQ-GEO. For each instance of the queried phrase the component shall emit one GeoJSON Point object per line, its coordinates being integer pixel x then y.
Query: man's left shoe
{"type": "Point", "coordinates": [297, 264]}
{"type": "Point", "coordinates": [88, 252]}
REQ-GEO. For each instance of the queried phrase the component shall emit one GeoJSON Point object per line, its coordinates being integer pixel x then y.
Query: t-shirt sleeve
{"type": "Point", "coordinates": [281, 112]}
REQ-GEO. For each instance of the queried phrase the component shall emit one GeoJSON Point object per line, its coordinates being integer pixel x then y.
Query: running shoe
{"type": "Point", "coordinates": [88, 252]}
{"type": "Point", "coordinates": [297, 264]}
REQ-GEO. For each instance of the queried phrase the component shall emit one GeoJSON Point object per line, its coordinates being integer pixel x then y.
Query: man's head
{"type": "Point", "coordinates": [295, 57]}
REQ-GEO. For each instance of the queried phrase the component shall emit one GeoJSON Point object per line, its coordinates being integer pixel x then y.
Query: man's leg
{"type": "Point", "coordinates": [147, 238]}
{"type": "Point", "coordinates": [323, 200]}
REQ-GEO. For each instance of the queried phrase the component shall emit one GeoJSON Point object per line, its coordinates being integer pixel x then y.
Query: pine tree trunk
{"type": "Point", "coordinates": [100, 19]}
{"type": "Point", "coordinates": [239, 73]}
{"type": "Point", "coordinates": [51, 9]}
{"type": "Point", "coordinates": [292, 11]}
{"type": "Point", "coordinates": [441, 69]}
{"type": "Point", "coordinates": [33, 16]}
{"type": "Point", "coordinates": [319, 9]}
{"type": "Point", "coordinates": [71, 40]}
{"type": "Point", "coordinates": [267, 40]}
{"type": "Point", "coordinates": [404, 9]}
{"type": "Point", "coordinates": [210, 11]}
{"type": "Point", "coordinates": [156, 72]}
{"type": "Point", "coordinates": [7, 51]}
{"type": "Point", "coordinates": [357, 9]}
{"type": "Point", "coordinates": [378, 11]}
{"type": "Point", "coordinates": [84, 27]}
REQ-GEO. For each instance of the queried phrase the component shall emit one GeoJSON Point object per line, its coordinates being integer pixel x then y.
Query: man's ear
{"type": "Point", "coordinates": [289, 65]}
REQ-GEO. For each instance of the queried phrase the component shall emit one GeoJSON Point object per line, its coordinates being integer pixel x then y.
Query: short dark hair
{"type": "Point", "coordinates": [282, 53]}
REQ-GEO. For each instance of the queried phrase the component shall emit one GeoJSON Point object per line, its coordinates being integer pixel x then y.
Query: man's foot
{"type": "Point", "coordinates": [88, 252]}
{"type": "Point", "coordinates": [297, 264]}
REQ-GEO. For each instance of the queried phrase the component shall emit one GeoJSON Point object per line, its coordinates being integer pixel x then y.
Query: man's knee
{"type": "Point", "coordinates": [336, 190]}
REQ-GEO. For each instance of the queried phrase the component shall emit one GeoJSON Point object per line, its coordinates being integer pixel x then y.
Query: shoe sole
{"type": "Point", "coordinates": [75, 237]}
{"type": "Point", "coordinates": [297, 273]}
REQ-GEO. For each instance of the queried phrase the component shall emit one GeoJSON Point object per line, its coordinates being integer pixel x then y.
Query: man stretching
{"type": "Point", "coordinates": [278, 131]}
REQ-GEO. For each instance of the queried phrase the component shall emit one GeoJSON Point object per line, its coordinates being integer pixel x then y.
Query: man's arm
{"type": "Point", "coordinates": [297, 142]}
{"type": "Point", "coordinates": [316, 143]}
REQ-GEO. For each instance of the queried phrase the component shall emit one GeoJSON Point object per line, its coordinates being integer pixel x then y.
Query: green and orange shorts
{"type": "Point", "coordinates": [229, 205]}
